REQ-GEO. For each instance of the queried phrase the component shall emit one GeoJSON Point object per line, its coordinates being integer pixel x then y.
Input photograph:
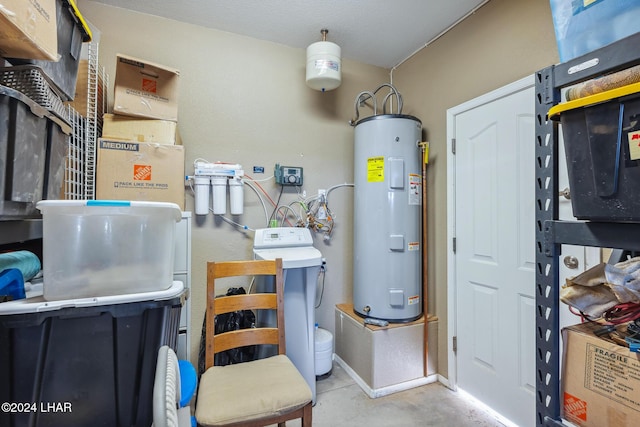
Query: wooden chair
{"type": "Point", "coordinates": [260, 392]}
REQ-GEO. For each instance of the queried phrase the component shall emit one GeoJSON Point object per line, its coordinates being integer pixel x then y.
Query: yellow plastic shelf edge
{"type": "Point", "coordinates": [558, 109]}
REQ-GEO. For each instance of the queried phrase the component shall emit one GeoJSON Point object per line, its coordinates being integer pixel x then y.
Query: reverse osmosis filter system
{"type": "Point", "coordinates": [212, 179]}
{"type": "Point", "coordinates": [388, 204]}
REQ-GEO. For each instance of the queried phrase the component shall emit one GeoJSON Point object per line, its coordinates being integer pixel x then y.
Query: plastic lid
{"type": "Point", "coordinates": [37, 304]}
{"type": "Point", "coordinates": [43, 204]}
{"type": "Point", "coordinates": [587, 101]}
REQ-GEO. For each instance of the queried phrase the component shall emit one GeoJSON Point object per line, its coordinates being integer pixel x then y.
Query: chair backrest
{"type": "Point", "coordinates": [216, 343]}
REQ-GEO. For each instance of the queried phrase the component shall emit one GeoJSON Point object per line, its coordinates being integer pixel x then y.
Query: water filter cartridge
{"type": "Point", "coordinates": [219, 195]}
{"type": "Point", "coordinates": [202, 190]}
{"type": "Point", "coordinates": [236, 196]}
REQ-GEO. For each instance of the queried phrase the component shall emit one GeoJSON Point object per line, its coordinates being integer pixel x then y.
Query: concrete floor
{"type": "Point", "coordinates": [340, 402]}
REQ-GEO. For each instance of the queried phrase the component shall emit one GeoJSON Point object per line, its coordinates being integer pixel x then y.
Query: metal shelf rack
{"type": "Point", "coordinates": [87, 127]}
{"type": "Point", "coordinates": [550, 232]}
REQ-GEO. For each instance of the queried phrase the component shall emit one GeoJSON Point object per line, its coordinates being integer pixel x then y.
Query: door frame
{"type": "Point", "coordinates": [517, 86]}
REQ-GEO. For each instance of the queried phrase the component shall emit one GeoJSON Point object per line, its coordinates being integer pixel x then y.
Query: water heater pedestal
{"type": "Point", "coordinates": [384, 360]}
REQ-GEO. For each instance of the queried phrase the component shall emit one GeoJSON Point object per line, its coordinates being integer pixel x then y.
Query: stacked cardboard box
{"type": "Point", "coordinates": [28, 29]}
{"type": "Point", "coordinates": [600, 379]}
{"type": "Point", "coordinates": [139, 154]}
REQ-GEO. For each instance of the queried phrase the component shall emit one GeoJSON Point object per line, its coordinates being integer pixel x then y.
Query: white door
{"type": "Point", "coordinates": [491, 294]}
{"type": "Point", "coordinates": [495, 254]}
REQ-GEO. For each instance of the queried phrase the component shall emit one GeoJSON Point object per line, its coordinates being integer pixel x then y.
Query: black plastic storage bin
{"type": "Point", "coordinates": [602, 146]}
{"type": "Point", "coordinates": [33, 145]}
{"type": "Point", "coordinates": [83, 364]}
{"type": "Point", "coordinates": [72, 32]}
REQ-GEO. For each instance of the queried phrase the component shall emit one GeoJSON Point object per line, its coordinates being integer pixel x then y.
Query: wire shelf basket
{"type": "Point", "coordinates": [32, 82]}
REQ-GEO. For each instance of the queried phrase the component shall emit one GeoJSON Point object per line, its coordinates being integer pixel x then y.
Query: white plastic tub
{"type": "Point", "coordinates": [97, 248]}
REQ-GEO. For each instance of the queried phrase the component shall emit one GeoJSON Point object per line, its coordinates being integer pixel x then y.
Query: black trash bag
{"type": "Point", "coordinates": [242, 319]}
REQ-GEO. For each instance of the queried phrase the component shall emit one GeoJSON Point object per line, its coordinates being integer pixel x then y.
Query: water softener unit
{"type": "Point", "coordinates": [387, 224]}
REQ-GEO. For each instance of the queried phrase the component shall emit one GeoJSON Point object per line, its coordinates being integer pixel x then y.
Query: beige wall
{"type": "Point", "coordinates": [502, 42]}
{"type": "Point", "coordinates": [245, 101]}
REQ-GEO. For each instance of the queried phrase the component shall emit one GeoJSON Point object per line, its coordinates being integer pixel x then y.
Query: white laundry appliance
{"type": "Point", "coordinates": [301, 264]}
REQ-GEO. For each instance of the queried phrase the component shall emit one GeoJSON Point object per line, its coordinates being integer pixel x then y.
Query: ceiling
{"type": "Point", "coordinates": [376, 32]}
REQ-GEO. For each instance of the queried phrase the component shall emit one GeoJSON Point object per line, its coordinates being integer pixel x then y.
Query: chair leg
{"type": "Point", "coordinates": [306, 415]}
{"type": "Point", "coordinates": [283, 424]}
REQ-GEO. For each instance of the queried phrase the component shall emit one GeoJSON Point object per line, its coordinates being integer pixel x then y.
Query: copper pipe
{"type": "Point", "coordinates": [425, 263]}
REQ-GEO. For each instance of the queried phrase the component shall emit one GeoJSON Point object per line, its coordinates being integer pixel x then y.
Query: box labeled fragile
{"type": "Point", "coordinates": [140, 171]}
{"type": "Point", "coordinates": [137, 129]}
{"type": "Point", "coordinates": [28, 29]}
{"type": "Point", "coordinates": [600, 380]}
{"type": "Point", "coordinates": [145, 89]}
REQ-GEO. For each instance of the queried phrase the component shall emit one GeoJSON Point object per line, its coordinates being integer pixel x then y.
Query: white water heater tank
{"type": "Point", "coordinates": [324, 66]}
{"type": "Point", "coordinates": [387, 225]}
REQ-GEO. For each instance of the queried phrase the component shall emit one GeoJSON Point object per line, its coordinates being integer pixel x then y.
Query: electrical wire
{"type": "Point", "coordinates": [622, 313]}
{"type": "Point", "coordinates": [336, 187]}
{"type": "Point", "coordinates": [262, 180]}
{"type": "Point", "coordinates": [284, 216]}
{"type": "Point", "coordinates": [261, 189]}
{"type": "Point", "coordinates": [264, 207]}
{"type": "Point", "coordinates": [275, 205]}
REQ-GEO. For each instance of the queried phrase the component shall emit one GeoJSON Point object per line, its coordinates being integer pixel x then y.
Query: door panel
{"type": "Point", "coordinates": [495, 256]}
{"type": "Point", "coordinates": [493, 194]}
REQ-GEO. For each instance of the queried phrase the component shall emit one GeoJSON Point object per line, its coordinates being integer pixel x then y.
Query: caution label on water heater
{"type": "Point", "coordinates": [413, 300]}
{"type": "Point", "coordinates": [375, 169]}
{"type": "Point", "coordinates": [415, 189]}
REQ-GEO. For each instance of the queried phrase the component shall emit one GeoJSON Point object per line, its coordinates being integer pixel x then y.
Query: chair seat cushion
{"type": "Point", "coordinates": [251, 390]}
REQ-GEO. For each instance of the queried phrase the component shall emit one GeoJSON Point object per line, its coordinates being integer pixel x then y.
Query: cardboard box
{"type": "Point", "coordinates": [140, 171]}
{"type": "Point", "coordinates": [145, 89]}
{"type": "Point", "coordinates": [115, 126]}
{"type": "Point", "coordinates": [600, 380]}
{"type": "Point", "coordinates": [28, 29]}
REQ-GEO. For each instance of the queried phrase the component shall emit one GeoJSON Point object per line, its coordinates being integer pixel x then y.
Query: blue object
{"type": "Point", "coordinates": [634, 343]}
{"type": "Point", "coordinates": [188, 382]}
{"type": "Point", "coordinates": [583, 26]}
{"type": "Point", "coordinates": [12, 284]}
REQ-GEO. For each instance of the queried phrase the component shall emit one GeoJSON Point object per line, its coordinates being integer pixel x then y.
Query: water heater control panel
{"type": "Point", "coordinates": [288, 175]}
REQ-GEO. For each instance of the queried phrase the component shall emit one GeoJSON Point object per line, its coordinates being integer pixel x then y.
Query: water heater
{"type": "Point", "coordinates": [387, 224]}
